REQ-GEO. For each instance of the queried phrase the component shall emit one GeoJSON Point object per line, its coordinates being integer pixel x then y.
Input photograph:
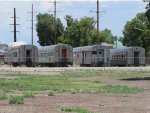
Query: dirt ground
{"type": "Point", "coordinates": [99, 103]}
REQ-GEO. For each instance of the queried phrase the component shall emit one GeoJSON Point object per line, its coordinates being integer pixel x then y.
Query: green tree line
{"type": "Point", "coordinates": [76, 32]}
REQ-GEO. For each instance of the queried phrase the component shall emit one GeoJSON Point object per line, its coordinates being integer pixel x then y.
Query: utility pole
{"type": "Point", "coordinates": [15, 24]}
{"type": "Point", "coordinates": [98, 40]}
{"type": "Point", "coordinates": [15, 38]}
{"type": "Point", "coordinates": [97, 15]}
{"type": "Point", "coordinates": [55, 21]}
{"type": "Point", "coordinates": [116, 42]}
{"type": "Point", "coordinates": [32, 25]}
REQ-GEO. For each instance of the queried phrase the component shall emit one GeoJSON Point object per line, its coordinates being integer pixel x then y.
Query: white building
{"type": "Point", "coordinates": [3, 47]}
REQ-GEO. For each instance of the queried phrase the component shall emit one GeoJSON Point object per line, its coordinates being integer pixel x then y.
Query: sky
{"type": "Point", "coordinates": [117, 13]}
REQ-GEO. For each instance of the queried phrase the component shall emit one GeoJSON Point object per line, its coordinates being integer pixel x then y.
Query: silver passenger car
{"type": "Point", "coordinates": [2, 55]}
{"type": "Point", "coordinates": [56, 55]}
{"type": "Point", "coordinates": [127, 56]}
{"type": "Point", "coordinates": [96, 55]}
{"type": "Point", "coordinates": [22, 54]}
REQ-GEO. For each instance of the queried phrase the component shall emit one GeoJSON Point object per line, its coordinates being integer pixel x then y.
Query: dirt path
{"type": "Point", "coordinates": [100, 103]}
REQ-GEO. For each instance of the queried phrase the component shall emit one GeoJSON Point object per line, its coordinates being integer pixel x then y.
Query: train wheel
{"type": "Point", "coordinates": [29, 63]}
{"type": "Point", "coordinates": [14, 64]}
{"type": "Point", "coordinates": [93, 65]}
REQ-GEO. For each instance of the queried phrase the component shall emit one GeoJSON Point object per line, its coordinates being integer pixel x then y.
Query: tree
{"type": "Point", "coordinates": [77, 31]}
{"type": "Point", "coordinates": [45, 28]}
{"type": "Point", "coordinates": [136, 32]}
{"type": "Point", "coordinates": [147, 13]}
{"type": "Point", "coordinates": [105, 36]}
{"type": "Point", "coordinates": [82, 32]}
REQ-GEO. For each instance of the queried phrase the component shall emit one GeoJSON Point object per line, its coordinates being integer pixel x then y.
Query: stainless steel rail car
{"type": "Point", "coordinates": [2, 55]}
{"type": "Point", "coordinates": [91, 56]}
{"type": "Point", "coordinates": [22, 54]}
{"type": "Point", "coordinates": [56, 55]}
{"type": "Point", "coordinates": [128, 56]}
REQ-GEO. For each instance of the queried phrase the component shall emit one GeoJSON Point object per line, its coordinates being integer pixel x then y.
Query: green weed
{"type": "Point", "coordinates": [29, 95]}
{"type": "Point", "coordinates": [16, 100]}
{"type": "Point", "coordinates": [3, 96]}
{"type": "Point", "coordinates": [51, 94]}
{"type": "Point", "coordinates": [77, 110]}
{"type": "Point", "coordinates": [62, 84]}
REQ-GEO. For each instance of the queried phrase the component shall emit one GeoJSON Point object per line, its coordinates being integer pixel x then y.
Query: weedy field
{"type": "Point", "coordinates": [84, 91]}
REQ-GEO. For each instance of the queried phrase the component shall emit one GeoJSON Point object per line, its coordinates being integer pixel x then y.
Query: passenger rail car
{"type": "Point", "coordinates": [128, 56]}
{"type": "Point", "coordinates": [56, 55]}
{"type": "Point", "coordinates": [2, 55]}
{"type": "Point", "coordinates": [22, 55]}
{"type": "Point", "coordinates": [91, 56]}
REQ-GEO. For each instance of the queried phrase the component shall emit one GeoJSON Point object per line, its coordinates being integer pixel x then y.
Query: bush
{"type": "Point", "coordinates": [51, 94]}
{"type": "Point", "coordinates": [2, 97]}
{"type": "Point", "coordinates": [16, 100]}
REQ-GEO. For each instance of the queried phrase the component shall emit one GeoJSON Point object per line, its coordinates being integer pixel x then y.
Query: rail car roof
{"type": "Point", "coordinates": [2, 52]}
{"type": "Point", "coordinates": [84, 48]}
{"type": "Point", "coordinates": [124, 48]}
{"type": "Point", "coordinates": [15, 44]}
{"type": "Point", "coordinates": [53, 46]}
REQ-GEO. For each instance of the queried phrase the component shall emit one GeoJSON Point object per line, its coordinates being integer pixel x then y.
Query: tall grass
{"type": "Point", "coordinates": [61, 84]}
{"type": "Point", "coordinates": [16, 100]}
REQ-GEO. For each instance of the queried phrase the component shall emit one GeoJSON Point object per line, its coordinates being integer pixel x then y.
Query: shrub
{"type": "Point", "coordinates": [51, 94]}
{"type": "Point", "coordinates": [16, 100]}
{"type": "Point", "coordinates": [2, 97]}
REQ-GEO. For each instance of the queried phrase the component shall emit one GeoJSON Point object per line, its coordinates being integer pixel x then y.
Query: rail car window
{"type": "Point", "coordinates": [28, 53]}
{"type": "Point", "coordinates": [94, 52]}
{"type": "Point", "coordinates": [15, 54]}
{"type": "Point", "coordinates": [119, 56]}
{"type": "Point", "coordinates": [114, 57]}
{"type": "Point", "coordinates": [41, 54]}
{"type": "Point", "coordinates": [100, 52]}
{"type": "Point", "coordinates": [77, 55]}
{"type": "Point", "coordinates": [48, 54]}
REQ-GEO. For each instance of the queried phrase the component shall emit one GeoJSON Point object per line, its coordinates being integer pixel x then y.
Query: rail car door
{"type": "Point", "coordinates": [64, 55]}
{"type": "Point", "coordinates": [28, 57]}
{"type": "Point", "coordinates": [83, 57]}
{"type": "Point", "coordinates": [136, 58]}
{"type": "Point", "coordinates": [100, 55]}
{"type": "Point", "coordinates": [94, 57]}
